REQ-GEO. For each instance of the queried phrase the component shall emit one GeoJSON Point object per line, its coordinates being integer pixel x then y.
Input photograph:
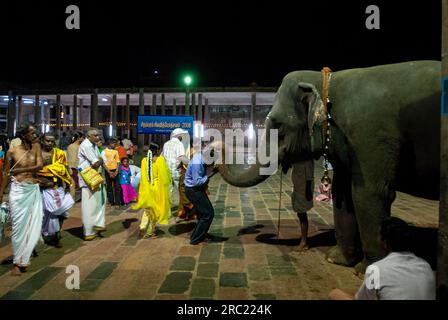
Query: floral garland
{"type": "Point", "coordinates": [151, 181]}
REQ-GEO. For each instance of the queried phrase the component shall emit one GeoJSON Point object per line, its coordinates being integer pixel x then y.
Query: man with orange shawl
{"type": "Point", "coordinates": [56, 200]}
{"type": "Point", "coordinates": [154, 193]}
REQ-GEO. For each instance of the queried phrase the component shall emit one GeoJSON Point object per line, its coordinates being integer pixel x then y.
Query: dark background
{"type": "Point", "coordinates": [224, 43]}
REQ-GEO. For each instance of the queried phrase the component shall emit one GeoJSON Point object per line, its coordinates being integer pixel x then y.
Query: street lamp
{"type": "Point", "coordinates": [187, 81]}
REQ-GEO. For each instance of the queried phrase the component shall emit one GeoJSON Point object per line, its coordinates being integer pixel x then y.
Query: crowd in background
{"type": "Point", "coordinates": [70, 141]}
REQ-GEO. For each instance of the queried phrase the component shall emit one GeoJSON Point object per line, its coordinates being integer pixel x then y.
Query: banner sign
{"type": "Point", "coordinates": [163, 124]}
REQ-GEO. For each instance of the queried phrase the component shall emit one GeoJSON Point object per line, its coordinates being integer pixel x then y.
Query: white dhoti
{"type": "Point", "coordinates": [174, 190]}
{"type": "Point", "coordinates": [93, 209]}
{"type": "Point", "coordinates": [56, 203]}
{"type": "Point", "coordinates": [25, 201]}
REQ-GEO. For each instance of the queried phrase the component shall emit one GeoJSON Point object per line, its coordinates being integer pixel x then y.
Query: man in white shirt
{"type": "Point", "coordinates": [172, 150]}
{"type": "Point", "coordinates": [400, 275]}
{"type": "Point", "coordinates": [93, 205]}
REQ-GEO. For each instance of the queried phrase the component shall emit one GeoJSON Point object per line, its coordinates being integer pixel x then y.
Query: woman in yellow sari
{"type": "Point", "coordinates": [154, 193]}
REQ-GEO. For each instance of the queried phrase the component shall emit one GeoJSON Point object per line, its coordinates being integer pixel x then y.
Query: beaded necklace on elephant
{"type": "Point", "coordinates": [326, 77]}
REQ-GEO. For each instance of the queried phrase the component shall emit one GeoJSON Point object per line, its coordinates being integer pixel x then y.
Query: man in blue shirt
{"type": "Point", "coordinates": [196, 183]}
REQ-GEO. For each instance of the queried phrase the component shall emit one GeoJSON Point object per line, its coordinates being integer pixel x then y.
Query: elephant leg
{"type": "Point", "coordinates": [347, 252]}
{"type": "Point", "coordinates": [371, 208]}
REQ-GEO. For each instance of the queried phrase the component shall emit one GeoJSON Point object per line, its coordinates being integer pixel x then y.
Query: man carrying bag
{"type": "Point", "coordinates": [93, 206]}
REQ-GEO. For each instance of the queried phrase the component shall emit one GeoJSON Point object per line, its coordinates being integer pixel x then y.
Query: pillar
{"type": "Point", "coordinates": [80, 111]}
{"type": "Point", "coordinates": [193, 106]}
{"type": "Point", "coordinates": [154, 137]}
{"type": "Point", "coordinates": [206, 111]}
{"type": "Point", "coordinates": [113, 114]}
{"type": "Point", "coordinates": [37, 113]}
{"type": "Point", "coordinates": [11, 114]}
{"type": "Point", "coordinates": [174, 107]}
{"type": "Point", "coordinates": [19, 111]}
{"type": "Point", "coordinates": [128, 115]}
{"type": "Point", "coordinates": [163, 104]}
{"type": "Point", "coordinates": [141, 111]}
{"type": "Point", "coordinates": [58, 115]}
{"type": "Point", "coordinates": [75, 112]}
{"type": "Point", "coordinates": [252, 107]}
{"type": "Point", "coordinates": [187, 101]}
{"type": "Point", "coordinates": [94, 109]}
{"type": "Point", "coordinates": [200, 107]}
{"type": "Point", "coordinates": [154, 105]}
{"type": "Point", "coordinates": [48, 116]}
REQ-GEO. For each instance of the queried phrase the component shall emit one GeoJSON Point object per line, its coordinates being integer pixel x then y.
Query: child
{"type": "Point", "coordinates": [129, 193]}
{"type": "Point", "coordinates": [325, 189]}
{"type": "Point", "coordinates": [111, 163]}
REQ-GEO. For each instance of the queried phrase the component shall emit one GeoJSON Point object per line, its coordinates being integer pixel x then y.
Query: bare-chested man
{"type": "Point", "coordinates": [56, 199]}
{"type": "Point", "coordinates": [25, 201]}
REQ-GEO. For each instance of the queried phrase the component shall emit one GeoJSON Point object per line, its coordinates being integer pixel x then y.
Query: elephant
{"type": "Point", "coordinates": [384, 137]}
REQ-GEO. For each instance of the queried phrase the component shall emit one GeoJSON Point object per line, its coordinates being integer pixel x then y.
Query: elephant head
{"type": "Point", "coordinates": [297, 112]}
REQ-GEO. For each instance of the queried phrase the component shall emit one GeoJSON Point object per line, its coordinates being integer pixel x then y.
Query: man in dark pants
{"type": "Point", "coordinates": [196, 185]}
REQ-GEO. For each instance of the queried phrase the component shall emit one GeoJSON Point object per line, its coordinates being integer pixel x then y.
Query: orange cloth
{"type": "Point", "coordinates": [58, 167]}
{"type": "Point", "coordinates": [121, 152]}
{"type": "Point", "coordinates": [111, 158]}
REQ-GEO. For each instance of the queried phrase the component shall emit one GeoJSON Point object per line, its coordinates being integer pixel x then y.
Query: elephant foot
{"type": "Point", "coordinates": [336, 256]}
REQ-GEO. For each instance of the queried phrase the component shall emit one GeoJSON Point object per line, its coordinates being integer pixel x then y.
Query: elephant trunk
{"type": "Point", "coordinates": [246, 175]}
{"type": "Point", "coordinates": [241, 176]}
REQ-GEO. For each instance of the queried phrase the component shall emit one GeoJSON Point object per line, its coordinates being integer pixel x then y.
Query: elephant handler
{"type": "Point", "coordinates": [302, 196]}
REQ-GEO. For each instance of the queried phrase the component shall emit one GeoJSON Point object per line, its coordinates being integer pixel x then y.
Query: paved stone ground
{"type": "Point", "coordinates": [251, 264]}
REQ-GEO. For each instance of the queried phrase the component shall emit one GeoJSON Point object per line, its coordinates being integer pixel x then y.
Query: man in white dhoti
{"type": "Point", "coordinates": [25, 200]}
{"type": "Point", "coordinates": [56, 199]}
{"type": "Point", "coordinates": [93, 203]}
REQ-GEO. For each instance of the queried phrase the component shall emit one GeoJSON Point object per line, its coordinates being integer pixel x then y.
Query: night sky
{"type": "Point", "coordinates": [224, 43]}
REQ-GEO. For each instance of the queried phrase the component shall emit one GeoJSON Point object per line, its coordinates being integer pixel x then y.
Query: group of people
{"type": "Point", "coordinates": [39, 197]}
{"type": "Point", "coordinates": [176, 169]}
{"type": "Point", "coordinates": [43, 182]}
{"type": "Point", "coordinates": [43, 176]}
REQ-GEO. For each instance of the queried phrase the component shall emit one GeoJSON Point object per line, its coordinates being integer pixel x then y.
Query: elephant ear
{"type": "Point", "coordinates": [314, 107]}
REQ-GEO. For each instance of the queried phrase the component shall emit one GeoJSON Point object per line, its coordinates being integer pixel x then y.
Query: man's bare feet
{"type": "Point", "coordinates": [15, 271]}
{"type": "Point", "coordinates": [303, 246]}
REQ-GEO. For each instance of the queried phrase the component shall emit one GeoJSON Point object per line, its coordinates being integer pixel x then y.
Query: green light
{"type": "Point", "coordinates": [187, 80]}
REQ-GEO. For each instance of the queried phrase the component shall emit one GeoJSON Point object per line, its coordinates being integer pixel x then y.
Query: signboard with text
{"type": "Point", "coordinates": [163, 124]}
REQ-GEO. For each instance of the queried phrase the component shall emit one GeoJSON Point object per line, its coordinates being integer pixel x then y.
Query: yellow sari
{"type": "Point", "coordinates": [155, 195]}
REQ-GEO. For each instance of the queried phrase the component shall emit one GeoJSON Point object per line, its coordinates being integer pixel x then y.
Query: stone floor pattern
{"type": "Point", "coordinates": [252, 264]}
